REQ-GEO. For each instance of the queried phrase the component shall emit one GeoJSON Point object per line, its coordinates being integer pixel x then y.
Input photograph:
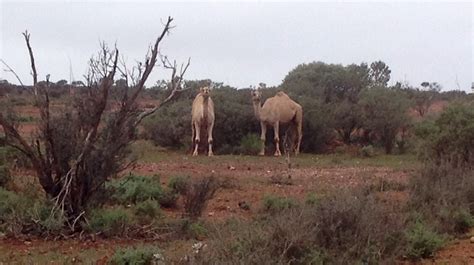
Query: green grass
{"type": "Point", "coordinates": [148, 153]}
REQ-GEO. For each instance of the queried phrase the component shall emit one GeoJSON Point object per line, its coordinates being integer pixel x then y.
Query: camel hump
{"type": "Point", "coordinates": [281, 94]}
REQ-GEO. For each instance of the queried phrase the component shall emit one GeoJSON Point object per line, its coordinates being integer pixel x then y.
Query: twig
{"type": "Point", "coordinates": [13, 72]}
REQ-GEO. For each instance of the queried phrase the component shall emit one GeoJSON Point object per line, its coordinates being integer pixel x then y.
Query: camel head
{"type": "Point", "coordinates": [256, 95]}
{"type": "Point", "coordinates": [205, 91]}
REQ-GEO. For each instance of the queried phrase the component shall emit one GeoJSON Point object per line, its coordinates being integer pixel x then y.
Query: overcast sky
{"type": "Point", "coordinates": [244, 43]}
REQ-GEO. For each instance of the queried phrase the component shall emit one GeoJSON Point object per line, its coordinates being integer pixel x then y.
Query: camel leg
{"type": "Point", "coordinates": [276, 130]}
{"type": "Point", "coordinates": [299, 128]}
{"type": "Point", "coordinates": [209, 137]}
{"type": "Point", "coordinates": [197, 128]}
{"type": "Point", "coordinates": [300, 135]}
{"type": "Point", "coordinates": [263, 136]}
{"type": "Point", "coordinates": [192, 136]}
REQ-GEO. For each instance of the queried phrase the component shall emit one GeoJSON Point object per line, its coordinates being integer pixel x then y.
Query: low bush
{"type": "Point", "coordinates": [194, 230]}
{"type": "Point", "coordinates": [444, 196]}
{"type": "Point", "coordinates": [422, 242]}
{"type": "Point", "coordinates": [275, 204]}
{"type": "Point", "coordinates": [143, 255]}
{"type": "Point", "coordinates": [199, 193]}
{"type": "Point", "coordinates": [24, 213]}
{"type": "Point", "coordinates": [147, 210]}
{"type": "Point", "coordinates": [367, 151]}
{"type": "Point", "coordinates": [348, 228]}
{"type": "Point", "coordinates": [179, 184]}
{"type": "Point", "coordinates": [109, 222]}
{"type": "Point", "coordinates": [168, 199]}
{"type": "Point", "coordinates": [134, 189]}
{"type": "Point", "coordinates": [250, 144]}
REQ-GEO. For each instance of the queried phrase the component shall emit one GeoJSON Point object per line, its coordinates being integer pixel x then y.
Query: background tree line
{"type": "Point", "coordinates": [343, 105]}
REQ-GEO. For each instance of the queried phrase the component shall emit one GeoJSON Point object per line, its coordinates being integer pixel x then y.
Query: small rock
{"type": "Point", "coordinates": [472, 239]}
{"type": "Point", "coordinates": [27, 243]}
{"type": "Point", "coordinates": [232, 168]}
{"type": "Point", "coordinates": [213, 171]}
{"type": "Point", "coordinates": [269, 171]}
{"type": "Point", "coordinates": [210, 214]}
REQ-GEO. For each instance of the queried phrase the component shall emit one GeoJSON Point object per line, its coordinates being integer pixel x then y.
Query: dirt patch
{"type": "Point", "coordinates": [251, 182]}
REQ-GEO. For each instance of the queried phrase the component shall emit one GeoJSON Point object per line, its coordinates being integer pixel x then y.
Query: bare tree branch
{"type": "Point", "coordinates": [151, 61]}
{"type": "Point", "coordinates": [175, 88]}
{"type": "Point", "coordinates": [32, 60]}
{"type": "Point", "coordinates": [12, 71]}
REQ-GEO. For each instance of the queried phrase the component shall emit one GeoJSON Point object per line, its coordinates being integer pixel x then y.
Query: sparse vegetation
{"type": "Point", "coordinates": [143, 255]}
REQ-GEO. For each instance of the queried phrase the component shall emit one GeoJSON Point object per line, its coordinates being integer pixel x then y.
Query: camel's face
{"type": "Point", "coordinates": [256, 94]}
{"type": "Point", "coordinates": [205, 91]}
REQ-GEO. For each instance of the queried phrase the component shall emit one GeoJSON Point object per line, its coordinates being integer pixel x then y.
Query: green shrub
{"type": "Point", "coordinates": [250, 144]}
{"type": "Point", "coordinates": [111, 222]}
{"type": "Point", "coordinates": [367, 151]}
{"type": "Point", "coordinates": [134, 189]}
{"type": "Point", "coordinates": [450, 138]}
{"type": "Point", "coordinates": [275, 204]}
{"type": "Point", "coordinates": [168, 199]}
{"type": "Point", "coordinates": [22, 212]}
{"type": "Point", "coordinates": [179, 184]}
{"type": "Point", "coordinates": [147, 210]}
{"type": "Point", "coordinates": [463, 221]}
{"type": "Point", "coordinates": [195, 230]}
{"type": "Point", "coordinates": [140, 255]}
{"type": "Point", "coordinates": [422, 242]}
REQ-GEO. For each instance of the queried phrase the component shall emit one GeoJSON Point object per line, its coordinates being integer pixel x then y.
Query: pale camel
{"type": "Point", "coordinates": [280, 109]}
{"type": "Point", "coordinates": [202, 117]}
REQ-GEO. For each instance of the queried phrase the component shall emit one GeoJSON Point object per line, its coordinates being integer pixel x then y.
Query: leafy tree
{"type": "Point", "coordinates": [385, 112]}
{"type": "Point", "coordinates": [347, 117]}
{"type": "Point", "coordinates": [450, 139]}
{"type": "Point", "coordinates": [379, 74]}
{"type": "Point", "coordinates": [327, 82]}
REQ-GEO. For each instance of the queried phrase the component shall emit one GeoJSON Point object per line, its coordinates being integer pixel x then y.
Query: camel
{"type": "Point", "coordinates": [280, 109]}
{"type": "Point", "coordinates": [202, 117]}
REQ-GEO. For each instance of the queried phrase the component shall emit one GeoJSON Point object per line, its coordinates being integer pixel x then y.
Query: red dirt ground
{"type": "Point", "coordinates": [249, 182]}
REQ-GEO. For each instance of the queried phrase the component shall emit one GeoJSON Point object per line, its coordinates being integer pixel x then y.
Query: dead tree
{"type": "Point", "coordinates": [78, 148]}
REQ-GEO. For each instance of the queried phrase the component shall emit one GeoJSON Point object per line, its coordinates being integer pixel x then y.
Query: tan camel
{"type": "Point", "coordinates": [280, 109]}
{"type": "Point", "coordinates": [202, 117]}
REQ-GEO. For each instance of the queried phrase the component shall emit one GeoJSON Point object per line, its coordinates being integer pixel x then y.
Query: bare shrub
{"type": "Point", "coordinates": [199, 192]}
{"type": "Point", "coordinates": [82, 145]}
